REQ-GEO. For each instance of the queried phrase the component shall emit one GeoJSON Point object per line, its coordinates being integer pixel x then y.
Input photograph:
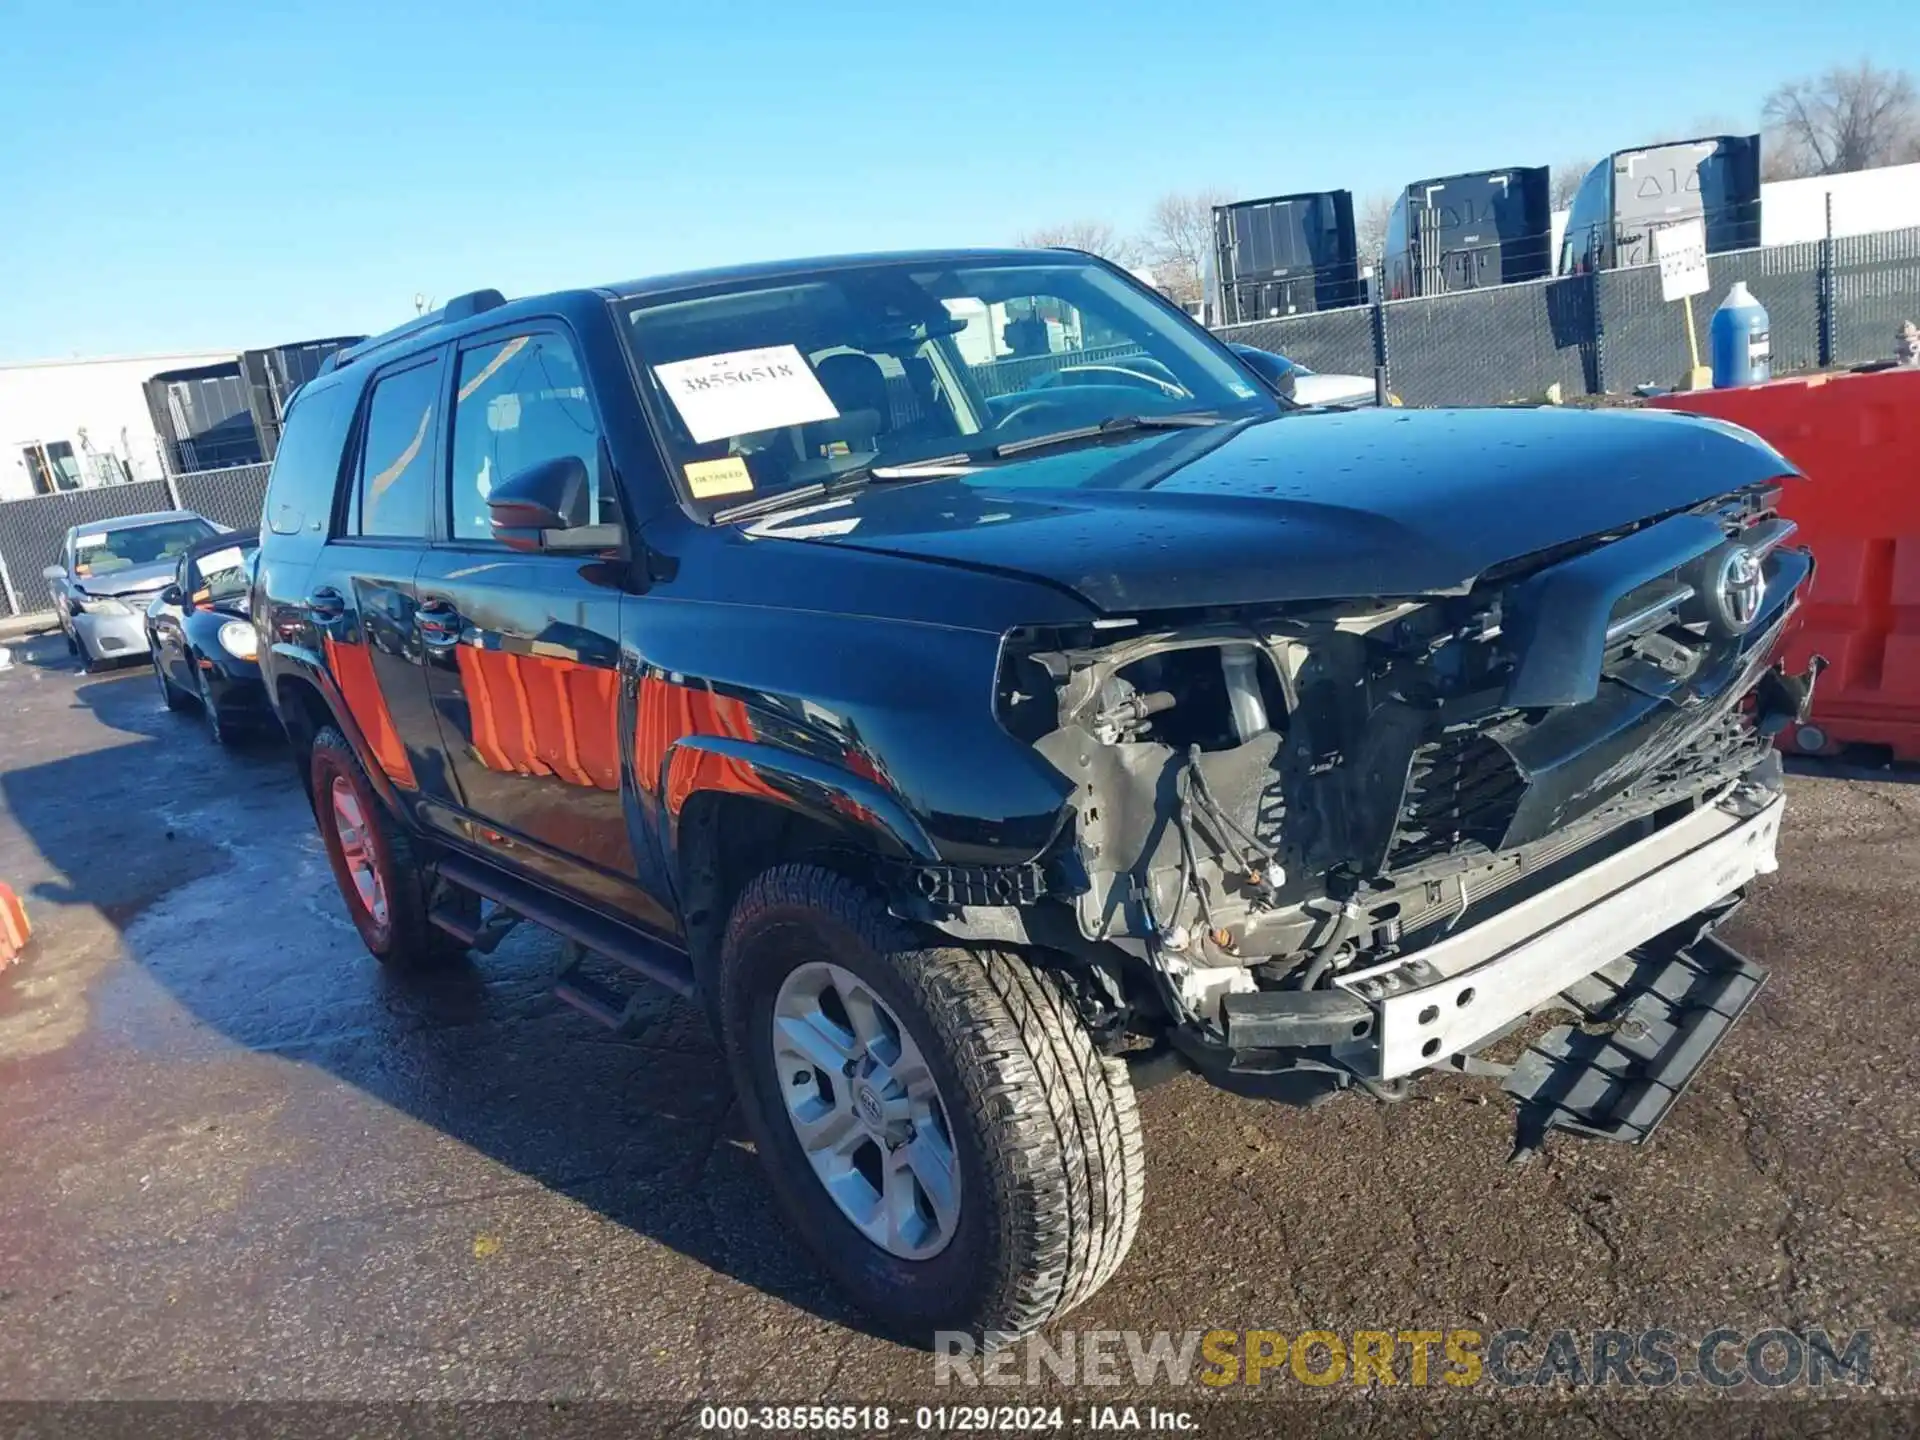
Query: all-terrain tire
{"type": "Point", "coordinates": [1045, 1130]}
{"type": "Point", "coordinates": [405, 939]}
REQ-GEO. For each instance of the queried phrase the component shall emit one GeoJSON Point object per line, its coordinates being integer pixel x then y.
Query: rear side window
{"type": "Point", "coordinates": [305, 467]}
{"type": "Point", "coordinates": [520, 402]}
{"type": "Point", "coordinates": [396, 457]}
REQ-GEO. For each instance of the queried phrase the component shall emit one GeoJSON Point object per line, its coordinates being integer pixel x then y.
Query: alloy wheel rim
{"type": "Point", "coordinates": [350, 828]}
{"type": "Point", "coordinates": [866, 1110]}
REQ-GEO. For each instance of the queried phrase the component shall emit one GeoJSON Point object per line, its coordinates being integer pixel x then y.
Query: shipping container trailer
{"type": "Point", "coordinates": [1285, 255]}
{"type": "Point", "coordinates": [202, 418]}
{"type": "Point", "coordinates": [1633, 193]}
{"type": "Point", "coordinates": [1463, 232]}
{"type": "Point", "coordinates": [273, 373]}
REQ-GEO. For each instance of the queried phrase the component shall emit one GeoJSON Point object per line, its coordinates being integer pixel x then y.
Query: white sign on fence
{"type": "Point", "coordinates": [1682, 252]}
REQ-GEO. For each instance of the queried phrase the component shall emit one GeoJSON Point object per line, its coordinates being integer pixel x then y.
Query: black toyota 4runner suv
{"type": "Point", "coordinates": [964, 679]}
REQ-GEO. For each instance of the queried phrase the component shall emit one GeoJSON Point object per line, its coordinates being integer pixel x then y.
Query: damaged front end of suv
{"type": "Point", "coordinates": [1363, 839]}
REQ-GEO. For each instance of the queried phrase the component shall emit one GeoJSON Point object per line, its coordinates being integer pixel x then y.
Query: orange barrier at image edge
{"type": "Point", "coordinates": [14, 926]}
{"type": "Point", "coordinates": [1857, 439]}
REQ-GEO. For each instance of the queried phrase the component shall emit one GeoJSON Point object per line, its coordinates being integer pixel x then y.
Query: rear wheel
{"type": "Point", "coordinates": [374, 861]}
{"type": "Point", "coordinates": [935, 1121]}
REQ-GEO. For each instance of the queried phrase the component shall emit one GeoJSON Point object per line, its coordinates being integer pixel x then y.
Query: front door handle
{"type": "Point", "coordinates": [438, 623]}
{"type": "Point", "coordinates": [327, 603]}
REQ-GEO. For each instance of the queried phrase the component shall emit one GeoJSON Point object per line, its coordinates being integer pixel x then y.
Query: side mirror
{"type": "Point", "coordinates": [54, 572]}
{"type": "Point", "coordinates": [549, 506]}
{"type": "Point", "coordinates": [173, 595]}
{"type": "Point", "coordinates": [1275, 370]}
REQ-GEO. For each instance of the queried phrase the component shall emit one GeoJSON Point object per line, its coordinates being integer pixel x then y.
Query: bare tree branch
{"type": "Point", "coordinates": [1564, 183]}
{"type": "Point", "coordinates": [1179, 237]}
{"type": "Point", "coordinates": [1847, 119]}
{"type": "Point", "coordinates": [1096, 237]}
{"type": "Point", "coordinates": [1370, 219]}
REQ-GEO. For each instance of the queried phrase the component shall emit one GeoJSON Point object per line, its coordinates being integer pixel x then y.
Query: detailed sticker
{"type": "Point", "coordinates": [89, 542]}
{"type": "Point", "coordinates": [708, 478]}
{"type": "Point", "coordinates": [227, 559]}
{"type": "Point", "coordinates": [720, 396]}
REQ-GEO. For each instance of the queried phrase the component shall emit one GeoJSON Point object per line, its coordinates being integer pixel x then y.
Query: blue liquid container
{"type": "Point", "coordinates": [1740, 340]}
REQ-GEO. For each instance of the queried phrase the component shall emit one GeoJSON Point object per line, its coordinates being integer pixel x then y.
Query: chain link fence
{"type": "Point", "coordinates": [1334, 342]}
{"type": "Point", "coordinates": [1872, 282]}
{"type": "Point", "coordinates": [1645, 337]}
{"type": "Point", "coordinates": [1831, 303]}
{"type": "Point", "coordinates": [33, 530]}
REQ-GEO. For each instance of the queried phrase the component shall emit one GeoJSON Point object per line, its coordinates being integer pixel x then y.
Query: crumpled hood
{"type": "Point", "coordinates": [1303, 507]}
{"type": "Point", "coordinates": [135, 579]}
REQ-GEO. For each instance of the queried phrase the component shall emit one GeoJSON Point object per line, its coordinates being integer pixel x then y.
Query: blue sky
{"type": "Point", "coordinates": [181, 176]}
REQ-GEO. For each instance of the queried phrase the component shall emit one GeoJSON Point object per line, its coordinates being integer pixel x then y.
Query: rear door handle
{"type": "Point", "coordinates": [438, 622]}
{"type": "Point", "coordinates": [327, 603]}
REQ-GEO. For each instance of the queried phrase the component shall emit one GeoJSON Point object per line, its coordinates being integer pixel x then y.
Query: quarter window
{"type": "Point", "coordinates": [520, 402]}
{"type": "Point", "coordinates": [397, 455]}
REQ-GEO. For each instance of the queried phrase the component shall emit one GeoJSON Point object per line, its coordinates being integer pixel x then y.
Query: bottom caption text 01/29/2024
{"type": "Point", "coordinates": [942, 1419]}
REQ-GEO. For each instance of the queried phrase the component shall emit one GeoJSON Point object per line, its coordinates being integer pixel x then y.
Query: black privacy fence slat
{"type": "Point", "coordinates": [1506, 342]}
{"type": "Point", "coordinates": [1645, 337]}
{"type": "Point", "coordinates": [226, 497]}
{"type": "Point", "coordinates": [1830, 303]}
{"type": "Point", "coordinates": [1873, 289]}
{"type": "Point", "coordinates": [1334, 342]}
{"type": "Point", "coordinates": [32, 530]}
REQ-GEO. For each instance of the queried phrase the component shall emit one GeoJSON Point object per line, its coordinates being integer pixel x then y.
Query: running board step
{"type": "Point", "coordinates": [483, 938]}
{"type": "Point", "coordinates": [655, 960]}
{"type": "Point", "coordinates": [623, 1014]}
{"type": "Point", "coordinates": [1665, 1008]}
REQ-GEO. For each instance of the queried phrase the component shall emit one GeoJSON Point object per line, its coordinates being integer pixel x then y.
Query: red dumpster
{"type": "Point", "coordinates": [1857, 438]}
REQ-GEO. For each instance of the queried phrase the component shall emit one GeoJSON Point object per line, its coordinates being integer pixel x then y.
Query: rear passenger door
{"type": "Point", "coordinates": [361, 595]}
{"type": "Point", "coordinates": [523, 650]}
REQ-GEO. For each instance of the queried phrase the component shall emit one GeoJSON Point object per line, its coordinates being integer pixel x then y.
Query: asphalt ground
{"type": "Point", "coordinates": [239, 1163]}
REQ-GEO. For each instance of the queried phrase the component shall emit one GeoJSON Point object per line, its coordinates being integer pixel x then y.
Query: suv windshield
{"type": "Point", "coordinates": [101, 552]}
{"type": "Point", "coordinates": [763, 385]}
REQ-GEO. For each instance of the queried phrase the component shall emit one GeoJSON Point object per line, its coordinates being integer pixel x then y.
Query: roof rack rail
{"type": "Point", "coordinates": [461, 307]}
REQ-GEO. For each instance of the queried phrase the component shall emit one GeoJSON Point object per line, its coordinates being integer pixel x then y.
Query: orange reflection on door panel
{"type": "Point", "coordinates": [670, 713]}
{"type": "Point", "coordinates": [539, 715]}
{"type": "Point", "coordinates": [352, 668]}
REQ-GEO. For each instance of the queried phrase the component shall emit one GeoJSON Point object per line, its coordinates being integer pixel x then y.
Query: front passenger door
{"type": "Point", "coordinates": [523, 650]}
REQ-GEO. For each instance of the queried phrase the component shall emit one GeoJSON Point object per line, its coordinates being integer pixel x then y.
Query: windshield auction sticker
{"type": "Point", "coordinates": [708, 478]}
{"type": "Point", "coordinates": [227, 559]}
{"type": "Point", "coordinates": [743, 391]}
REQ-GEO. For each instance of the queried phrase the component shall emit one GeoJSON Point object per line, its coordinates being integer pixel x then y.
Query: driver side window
{"type": "Point", "coordinates": [520, 402]}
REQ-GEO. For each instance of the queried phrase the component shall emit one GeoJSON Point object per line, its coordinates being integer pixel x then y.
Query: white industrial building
{"type": "Point", "coordinates": [68, 423]}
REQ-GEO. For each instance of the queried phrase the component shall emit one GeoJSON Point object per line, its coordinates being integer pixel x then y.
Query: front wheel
{"type": "Point", "coordinates": [935, 1121]}
{"type": "Point", "coordinates": [217, 726]}
{"type": "Point", "coordinates": [170, 695]}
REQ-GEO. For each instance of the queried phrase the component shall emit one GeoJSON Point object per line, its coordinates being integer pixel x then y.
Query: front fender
{"type": "Point", "coordinates": [823, 792]}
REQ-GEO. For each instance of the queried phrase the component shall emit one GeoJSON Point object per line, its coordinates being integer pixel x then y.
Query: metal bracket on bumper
{"type": "Point", "coordinates": [1665, 1006]}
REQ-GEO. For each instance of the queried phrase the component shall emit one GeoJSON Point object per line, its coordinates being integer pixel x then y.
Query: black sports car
{"type": "Point", "coordinates": [202, 637]}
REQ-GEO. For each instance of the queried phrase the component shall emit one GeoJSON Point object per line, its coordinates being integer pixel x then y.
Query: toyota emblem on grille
{"type": "Point", "coordinates": [1741, 587]}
